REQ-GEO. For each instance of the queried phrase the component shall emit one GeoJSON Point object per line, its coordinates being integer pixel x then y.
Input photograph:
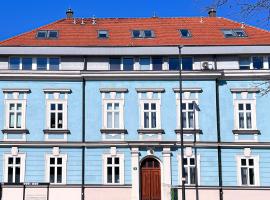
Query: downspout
{"type": "Point", "coordinates": [218, 136]}
{"type": "Point", "coordinates": [83, 129]}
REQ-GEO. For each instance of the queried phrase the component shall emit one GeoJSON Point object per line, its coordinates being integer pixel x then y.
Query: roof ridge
{"type": "Point", "coordinates": [245, 24]}
{"type": "Point", "coordinates": [55, 22]}
{"type": "Point", "coordinates": [185, 17]}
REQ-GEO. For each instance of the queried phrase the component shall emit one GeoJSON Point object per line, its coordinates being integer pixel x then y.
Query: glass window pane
{"type": "Point", "coordinates": [146, 119]}
{"type": "Point", "coordinates": [19, 106]}
{"type": "Point", "coordinates": [59, 174]}
{"type": "Point", "coordinates": [116, 160]}
{"type": "Point", "coordinates": [153, 106]}
{"type": "Point", "coordinates": [109, 106]}
{"type": "Point", "coordinates": [18, 160]}
{"type": "Point", "coordinates": [26, 63]}
{"type": "Point", "coordinates": [257, 62]}
{"type": "Point", "coordinates": [148, 34]}
{"type": "Point", "coordinates": [14, 63]}
{"type": "Point", "coordinates": [184, 106]}
{"type": "Point", "coordinates": [17, 174]}
{"type": "Point", "coordinates": [240, 33]}
{"type": "Point", "coordinates": [103, 34]}
{"type": "Point", "coordinates": [185, 33]}
{"type": "Point", "coordinates": [157, 63]}
{"type": "Point", "coordinates": [11, 120]}
{"type": "Point", "coordinates": [52, 160]}
{"type": "Point", "coordinates": [53, 34]}
{"type": "Point", "coordinates": [116, 106]}
{"type": "Point", "coordinates": [187, 63]}
{"type": "Point", "coordinates": [248, 106]}
{"type": "Point", "coordinates": [60, 106]}
{"type": "Point", "coordinates": [251, 176]}
{"type": "Point", "coordinates": [10, 174]}
{"type": "Point", "coordinates": [243, 162]}
{"type": "Point", "coordinates": [244, 175]}
{"type": "Point", "coordinates": [52, 174]}
{"type": "Point", "coordinates": [192, 161]}
{"type": "Point", "coordinates": [128, 64]}
{"type": "Point", "coordinates": [248, 118]}
{"type": "Point", "coordinates": [41, 63]}
{"type": "Point", "coordinates": [41, 34]}
{"type": "Point", "coordinates": [146, 106]}
{"type": "Point", "coordinates": [52, 123]}
{"type": "Point", "coordinates": [241, 120]}
{"type": "Point", "coordinates": [240, 106]}
{"type": "Point", "coordinates": [109, 174]}
{"type": "Point", "coordinates": [53, 106]}
{"type": "Point", "coordinates": [185, 161]}
{"type": "Point", "coordinates": [153, 120]}
{"type": "Point", "coordinates": [116, 175]}
{"type": "Point", "coordinates": [174, 63]}
{"type": "Point", "coordinates": [109, 119]}
{"type": "Point", "coordinates": [136, 33]}
{"type": "Point", "coordinates": [12, 106]}
{"type": "Point", "coordinates": [10, 160]}
{"type": "Point", "coordinates": [244, 63]}
{"type": "Point", "coordinates": [116, 120]}
{"type": "Point", "coordinates": [59, 161]}
{"type": "Point", "coordinates": [228, 33]}
{"type": "Point", "coordinates": [60, 120]}
{"type": "Point", "coordinates": [54, 64]}
{"type": "Point", "coordinates": [19, 120]}
{"type": "Point", "coordinates": [190, 106]}
{"type": "Point", "coordinates": [109, 160]}
{"type": "Point", "coordinates": [192, 175]}
{"type": "Point", "coordinates": [145, 63]}
{"type": "Point", "coordinates": [115, 63]}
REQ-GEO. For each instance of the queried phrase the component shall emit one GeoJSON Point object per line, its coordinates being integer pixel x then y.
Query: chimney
{"type": "Point", "coordinates": [212, 12]}
{"type": "Point", "coordinates": [69, 13]}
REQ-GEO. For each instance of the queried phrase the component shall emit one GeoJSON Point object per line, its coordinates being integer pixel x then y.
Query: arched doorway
{"type": "Point", "coordinates": [150, 179]}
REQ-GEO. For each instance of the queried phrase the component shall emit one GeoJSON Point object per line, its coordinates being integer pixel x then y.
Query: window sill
{"type": "Point", "coordinates": [150, 131]}
{"type": "Point", "coordinates": [15, 131]}
{"type": "Point", "coordinates": [189, 131]}
{"type": "Point", "coordinates": [56, 131]}
{"type": "Point", "coordinates": [246, 132]}
{"type": "Point", "coordinates": [113, 131]}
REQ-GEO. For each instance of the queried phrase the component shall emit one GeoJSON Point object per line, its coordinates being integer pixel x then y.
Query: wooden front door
{"type": "Point", "coordinates": [150, 180]}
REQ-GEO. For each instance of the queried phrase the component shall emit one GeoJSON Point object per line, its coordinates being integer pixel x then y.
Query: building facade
{"type": "Point", "coordinates": [91, 110]}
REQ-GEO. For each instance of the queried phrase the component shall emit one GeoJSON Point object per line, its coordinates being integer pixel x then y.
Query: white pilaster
{"type": "Point", "coordinates": [167, 181]}
{"type": "Point", "coordinates": [135, 169]}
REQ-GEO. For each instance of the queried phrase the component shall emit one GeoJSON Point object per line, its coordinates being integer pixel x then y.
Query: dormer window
{"type": "Point", "coordinates": [185, 33]}
{"type": "Point", "coordinates": [234, 33]}
{"type": "Point", "coordinates": [103, 34]}
{"type": "Point", "coordinates": [52, 34]}
{"type": "Point", "coordinates": [143, 34]}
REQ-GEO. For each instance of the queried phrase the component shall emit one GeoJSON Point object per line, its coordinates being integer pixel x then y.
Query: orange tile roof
{"type": "Point", "coordinates": [204, 30]}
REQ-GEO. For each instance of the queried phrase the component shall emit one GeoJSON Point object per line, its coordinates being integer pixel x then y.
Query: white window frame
{"type": "Point", "coordinates": [23, 119]}
{"type": "Point", "coordinates": [121, 169]}
{"type": "Point", "coordinates": [121, 113]}
{"type": "Point", "coordinates": [65, 114]}
{"type": "Point", "coordinates": [64, 168]}
{"type": "Point", "coordinates": [252, 102]}
{"type": "Point", "coordinates": [256, 170]}
{"type": "Point", "coordinates": [158, 113]}
{"type": "Point", "coordinates": [22, 156]}
{"type": "Point", "coordinates": [196, 120]}
{"type": "Point", "coordinates": [198, 169]}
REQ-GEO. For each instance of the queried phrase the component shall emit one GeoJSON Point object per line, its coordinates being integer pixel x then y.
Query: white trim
{"type": "Point", "coordinates": [58, 90]}
{"type": "Point", "coordinates": [158, 113]}
{"type": "Point", "coordinates": [121, 168]}
{"type": "Point", "coordinates": [22, 156]}
{"type": "Point", "coordinates": [64, 167]}
{"type": "Point", "coordinates": [105, 111]}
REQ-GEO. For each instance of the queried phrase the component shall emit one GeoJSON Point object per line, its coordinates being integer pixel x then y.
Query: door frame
{"type": "Point", "coordinates": [161, 174]}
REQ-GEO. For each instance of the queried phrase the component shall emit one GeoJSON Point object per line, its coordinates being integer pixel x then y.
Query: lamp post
{"type": "Point", "coordinates": [183, 179]}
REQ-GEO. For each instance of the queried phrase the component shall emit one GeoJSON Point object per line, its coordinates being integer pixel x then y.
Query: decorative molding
{"type": "Point", "coordinates": [256, 90]}
{"type": "Point", "coordinates": [15, 131]}
{"type": "Point", "coordinates": [150, 89]}
{"type": "Point", "coordinates": [113, 131]}
{"type": "Point", "coordinates": [57, 131]}
{"type": "Point", "coordinates": [196, 90]}
{"type": "Point", "coordinates": [246, 132]}
{"type": "Point", "coordinates": [59, 90]}
{"type": "Point", "coordinates": [150, 131]}
{"type": "Point", "coordinates": [20, 90]}
{"type": "Point", "coordinates": [122, 90]}
{"type": "Point", "coordinates": [188, 131]}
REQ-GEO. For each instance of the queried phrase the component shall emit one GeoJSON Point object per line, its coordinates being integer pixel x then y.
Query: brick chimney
{"type": "Point", "coordinates": [212, 12]}
{"type": "Point", "coordinates": [69, 13]}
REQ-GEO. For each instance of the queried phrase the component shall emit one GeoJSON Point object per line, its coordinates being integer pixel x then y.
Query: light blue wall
{"type": "Point", "coordinates": [36, 110]}
{"type": "Point", "coordinates": [207, 118]}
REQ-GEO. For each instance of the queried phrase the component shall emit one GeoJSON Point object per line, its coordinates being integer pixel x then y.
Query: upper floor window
{"type": "Point", "coordinates": [14, 168]}
{"type": "Point", "coordinates": [187, 63]}
{"type": "Point", "coordinates": [35, 63]}
{"type": "Point", "coordinates": [47, 34]}
{"type": "Point", "coordinates": [143, 34]}
{"type": "Point", "coordinates": [185, 33]}
{"type": "Point", "coordinates": [190, 170]}
{"type": "Point", "coordinates": [188, 112]}
{"type": "Point", "coordinates": [174, 63]}
{"type": "Point", "coordinates": [15, 114]}
{"type": "Point", "coordinates": [245, 114]}
{"type": "Point", "coordinates": [257, 62]}
{"type": "Point", "coordinates": [128, 64]}
{"type": "Point", "coordinates": [115, 63]}
{"type": "Point", "coordinates": [234, 33]}
{"type": "Point", "coordinates": [157, 63]}
{"type": "Point", "coordinates": [244, 62]}
{"type": "Point", "coordinates": [113, 114]}
{"type": "Point", "coordinates": [113, 168]}
{"type": "Point", "coordinates": [56, 169]}
{"type": "Point", "coordinates": [150, 114]}
{"type": "Point", "coordinates": [145, 63]}
{"type": "Point", "coordinates": [102, 34]}
{"type": "Point", "coordinates": [57, 114]}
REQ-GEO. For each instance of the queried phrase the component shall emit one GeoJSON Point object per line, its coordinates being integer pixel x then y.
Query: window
{"type": "Point", "coordinates": [187, 63]}
{"type": "Point", "coordinates": [244, 63]}
{"type": "Point", "coordinates": [257, 62]}
{"type": "Point", "coordinates": [113, 115]}
{"type": "Point", "coordinates": [188, 115]}
{"type": "Point", "coordinates": [42, 63]}
{"type": "Point", "coordinates": [49, 34]}
{"type": "Point", "coordinates": [115, 63]}
{"type": "Point", "coordinates": [57, 115]}
{"type": "Point", "coordinates": [14, 168]}
{"type": "Point", "coordinates": [113, 169]}
{"type": "Point", "coordinates": [245, 115]}
{"type": "Point", "coordinates": [185, 33]}
{"type": "Point", "coordinates": [56, 169]}
{"type": "Point", "coordinates": [157, 63]}
{"type": "Point", "coordinates": [103, 34]}
{"type": "Point", "coordinates": [145, 63]}
{"type": "Point", "coordinates": [26, 63]}
{"type": "Point", "coordinates": [174, 63]}
{"type": "Point", "coordinates": [143, 34]}
{"type": "Point", "coordinates": [190, 170]}
{"type": "Point", "coordinates": [14, 63]}
{"type": "Point", "coordinates": [234, 33]}
{"type": "Point", "coordinates": [54, 64]}
{"type": "Point", "coordinates": [15, 114]}
{"type": "Point", "coordinates": [248, 171]}
{"type": "Point", "coordinates": [149, 115]}
{"type": "Point", "coordinates": [128, 64]}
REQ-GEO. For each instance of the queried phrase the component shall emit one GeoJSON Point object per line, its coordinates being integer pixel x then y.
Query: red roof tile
{"type": "Point", "coordinates": [205, 31]}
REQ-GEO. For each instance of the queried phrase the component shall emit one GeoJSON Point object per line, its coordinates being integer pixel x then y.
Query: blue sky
{"type": "Point", "coordinates": [18, 16]}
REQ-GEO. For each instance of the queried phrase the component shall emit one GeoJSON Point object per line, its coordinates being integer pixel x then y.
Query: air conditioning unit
{"type": "Point", "coordinates": [207, 66]}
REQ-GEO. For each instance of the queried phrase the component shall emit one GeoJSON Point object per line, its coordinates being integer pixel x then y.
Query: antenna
{"type": "Point", "coordinates": [74, 21]}
{"type": "Point", "coordinates": [242, 25]}
{"type": "Point", "coordinates": [94, 20]}
{"type": "Point", "coordinates": [154, 14]}
{"type": "Point", "coordinates": [82, 23]}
